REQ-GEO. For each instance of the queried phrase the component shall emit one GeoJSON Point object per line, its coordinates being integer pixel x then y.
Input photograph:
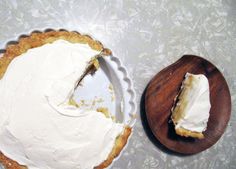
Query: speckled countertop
{"type": "Point", "coordinates": [147, 35]}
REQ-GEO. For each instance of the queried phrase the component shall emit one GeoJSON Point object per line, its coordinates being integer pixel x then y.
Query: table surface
{"type": "Point", "coordinates": [147, 36]}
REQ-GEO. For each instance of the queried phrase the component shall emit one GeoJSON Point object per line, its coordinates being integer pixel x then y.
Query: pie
{"type": "Point", "coordinates": [190, 113]}
{"type": "Point", "coordinates": [39, 127]}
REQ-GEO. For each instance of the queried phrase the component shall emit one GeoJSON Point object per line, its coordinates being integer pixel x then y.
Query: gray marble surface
{"type": "Point", "coordinates": [146, 35]}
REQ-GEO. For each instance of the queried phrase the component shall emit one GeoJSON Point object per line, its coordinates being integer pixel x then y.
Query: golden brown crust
{"type": "Point", "coordinates": [10, 164]}
{"type": "Point", "coordinates": [119, 145]}
{"type": "Point", "coordinates": [187, 133]}
{"type": "Point", "coordinates": [39, 39]}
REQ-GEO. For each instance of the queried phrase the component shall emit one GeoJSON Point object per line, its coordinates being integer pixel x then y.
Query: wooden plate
{"type": "Point", "coordinates": [159, 99]}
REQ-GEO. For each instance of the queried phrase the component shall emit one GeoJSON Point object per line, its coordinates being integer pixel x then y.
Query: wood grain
{"type": "Point", "coordinates": [159, 99]}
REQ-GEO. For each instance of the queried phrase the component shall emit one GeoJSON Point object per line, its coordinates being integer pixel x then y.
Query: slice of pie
{"type": "Point", "coordinates": [39, 128]}
{"type": "Point", "coordinates": [191, 111]}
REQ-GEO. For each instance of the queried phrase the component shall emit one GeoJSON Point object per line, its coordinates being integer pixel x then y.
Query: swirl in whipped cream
{"type": "Point", "coordinates": [33, 128]}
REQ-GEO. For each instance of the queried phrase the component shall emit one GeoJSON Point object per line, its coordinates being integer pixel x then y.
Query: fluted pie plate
{"type": "Point", "coordinates": [115, 91]}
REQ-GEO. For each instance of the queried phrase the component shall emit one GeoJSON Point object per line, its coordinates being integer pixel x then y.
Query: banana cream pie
{"type": "Point", "coordinates": [39, 128]}
{"type": "Point", "coordinates": [191, 111]}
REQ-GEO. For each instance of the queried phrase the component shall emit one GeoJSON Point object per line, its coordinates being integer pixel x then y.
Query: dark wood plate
{"type": "Point", "coordinates": [159, 99]}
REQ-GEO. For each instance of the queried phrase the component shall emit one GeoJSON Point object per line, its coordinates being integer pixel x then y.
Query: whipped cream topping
{"type": "Point", "coordinates": [194, 101]}
{"type": "Point", "coordinates": [37, 126]}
